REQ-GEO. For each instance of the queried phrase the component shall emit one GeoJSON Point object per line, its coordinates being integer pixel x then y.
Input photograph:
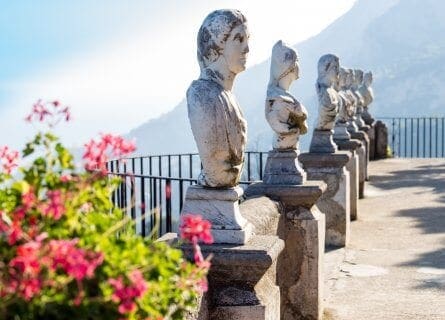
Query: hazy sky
{"type": "Point", "coordinates": [119, 63]}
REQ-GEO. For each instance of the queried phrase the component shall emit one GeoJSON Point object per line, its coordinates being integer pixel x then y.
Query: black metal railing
{"type": "Point", "coordinates": [416, 137]}
{"type": "Point", "coordinates": [153, 188]}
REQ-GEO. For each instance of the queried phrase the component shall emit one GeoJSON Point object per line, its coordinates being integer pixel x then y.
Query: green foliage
{"type": "Point", "coordinates": [89, 216]}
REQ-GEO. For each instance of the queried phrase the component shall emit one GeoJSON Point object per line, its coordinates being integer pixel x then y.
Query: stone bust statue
{"type": "Point", "coordinates": [328, 99]}
{"type": "Point", "coordinates": [216, 119]}
{"type": "Point", "coordinates": [357, 82]}
{"type": "Point", "coordinates": [346, 109]}
{"type": "Point", "coordinates": [286, 116]}
{"type": "Point", "coordinates": [368, 96]}
{"type": "Point", "coordinates": [346, 106]}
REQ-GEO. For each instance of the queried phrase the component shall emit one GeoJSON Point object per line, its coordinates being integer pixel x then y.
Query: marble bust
{"type": "Point", "coordinates": [356, 83]}
{"type": "Point", "coordinates": [329, 103]}
{"type": "Point", "coordinates": [328, 99]}
{"type": "Point", "coordinates": [347, 101]}
{"type": "Point", "coordinates": [346, 106]}
{"type": "Point", "coordinates": [216, 119]}
{"type": "Point", "coordinates": [286, 116]}
{"type": "Point", "coordinates": [368, 96]}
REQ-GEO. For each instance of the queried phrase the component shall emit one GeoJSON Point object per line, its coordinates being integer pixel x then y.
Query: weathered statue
{"type": "Point", "coordinates": [328, 100]}
{"type": "Point", "coordinates": [284, 113]}
{"type": "Point", "coordinates": [356, 84]}
{"type": "Point", "coordinates": [216, 119]}
{"type": "Point", "coordinates": [346, 106]}
{"type": "Point", "coordinates": [368, 96]}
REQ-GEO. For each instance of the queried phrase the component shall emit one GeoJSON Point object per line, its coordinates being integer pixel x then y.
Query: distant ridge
{"type": "Point", "coordinates": [401, 41]}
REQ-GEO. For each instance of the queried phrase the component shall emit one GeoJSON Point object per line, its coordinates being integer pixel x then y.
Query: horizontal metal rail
{"type": "Point", "coordinates": [153, 188]}
{"type": "Point", "coordinates": [416, 137]}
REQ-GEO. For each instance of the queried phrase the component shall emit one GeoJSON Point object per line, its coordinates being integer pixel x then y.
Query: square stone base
{"type": "Point", "coordinates": [221, 208]}
{"type": "Point", "coordinates": [282, 167]}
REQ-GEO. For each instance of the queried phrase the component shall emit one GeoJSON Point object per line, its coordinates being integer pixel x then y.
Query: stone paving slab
{"type": "Point", "coordinates": [394, 267]}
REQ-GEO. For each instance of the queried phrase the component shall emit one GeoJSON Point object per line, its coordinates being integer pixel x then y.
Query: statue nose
{"type": "Point", "coordinates": [246, 49]}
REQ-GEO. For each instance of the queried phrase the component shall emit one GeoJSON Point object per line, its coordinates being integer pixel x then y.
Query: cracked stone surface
{"type": "Point", "coordinates": [394, 267]}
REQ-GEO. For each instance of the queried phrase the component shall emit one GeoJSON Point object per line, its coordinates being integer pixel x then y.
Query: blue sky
{"type": "Point", "coordinates": [121, 63]}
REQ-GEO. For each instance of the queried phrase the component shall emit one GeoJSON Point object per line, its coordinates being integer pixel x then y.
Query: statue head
{"type": "Point", "coordinates": [343, 78]}
{"type": "Point", "coordinates": [367, 79]}
{"type": "Point", "coordinates": [328, 70]}
{"type": "Point", "coordinates": [358, 77]}
{"type": "Point", "coordinates": [284, 63]}
{"type": "Point", "coordinates": [349, 77]}
{"type": "Point", "coordinates": [223, 36]}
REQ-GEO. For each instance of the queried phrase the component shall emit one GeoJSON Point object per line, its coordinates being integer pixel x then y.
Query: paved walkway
{"type": "Point", "coordinates": [394, 267]}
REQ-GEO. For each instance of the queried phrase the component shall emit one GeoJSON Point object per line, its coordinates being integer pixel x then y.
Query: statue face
{"type": "Point", "coordinates": [236, 49]}
{"type": "Point", "coordinates": [367, 78]}
{"type": "Point", "coordinates": [333, 73]}
{"type": "Point", "coordinates": [296, 71]}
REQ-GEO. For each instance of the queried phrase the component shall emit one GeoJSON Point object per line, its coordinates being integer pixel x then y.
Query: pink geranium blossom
{"type": "Point", "coordinates": [125, 294]}
{"type": "Point", "coordinates": [50, 112]}
{"type": "Point", "coordinates": [9, 159]}
{"type": "Point", "coordinates": [194, 229]}
{"type": "Point", "coordinates": [55, 206]}
{"type": "Point", "coordinates": [97, 153]}
{"type": "Point", "coordinates": [76, 262]}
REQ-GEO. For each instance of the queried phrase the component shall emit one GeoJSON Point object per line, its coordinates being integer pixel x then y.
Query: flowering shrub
{"type": "Point", "coordinates": [65, 250]}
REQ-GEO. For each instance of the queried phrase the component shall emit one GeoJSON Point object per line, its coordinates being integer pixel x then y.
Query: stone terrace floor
{"type": "Point", "coordinates": [394, 267]}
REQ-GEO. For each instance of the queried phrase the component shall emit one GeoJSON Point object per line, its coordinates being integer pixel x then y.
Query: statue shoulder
{"type": "Point", "coordinates": [275, 95]}
{"type": "Point", "coordinates": [204, 93]}
{"type": "Point", "coordinates": [328, 96]}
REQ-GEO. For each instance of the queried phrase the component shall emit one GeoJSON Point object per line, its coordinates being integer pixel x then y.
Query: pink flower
{"type": "Point", "coordinates": [97, 153]}
{"type": "Point", "coordinates": [15, 232]}
{"type": "Point", "coordinates": [194, 228]}
{"type": "Point", "coordinates": [124, 294]}
{"type": "Point", "coordinates": [49, 112]}
{"type": "Point", "coordinates": [27, 259]}
{"type": "Point", "coordinates": [55, 207]}
{"type": "Point", "coordinates": [9, 159]}
{"type": "Point", "coordinates": [76, 262]}
{"type": "Point", "coordinates": [66, 178]}
{"type": "Point", "coordinates": [29, 199]}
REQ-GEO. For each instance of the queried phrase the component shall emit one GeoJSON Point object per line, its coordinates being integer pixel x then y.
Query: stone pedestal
{"type": "Point", "coordinates": [381, 140]}
{"type": "Point", "coordinates": [282, 167]}
{"type": "Point", "coordinates": [242, 280]}
{"type": "Point", "coordinates": [366, 129]}
{"type": "Point", "coordinates": [221, 208]}
{"type": "Point", "coordinates": [353, 168]}
{"type": "Point", "coordinates": [322, 142]}
{"type": "Point", "coordinates": [363, 160]}
{"type": "Point", "coordinates": [302, 227]}
{"type": "Point", "coordinates": [371, 136]}
{"type": "Point", "coordinates": [335, 202]}
{"type": "Point", "coordinates": [341, 131]}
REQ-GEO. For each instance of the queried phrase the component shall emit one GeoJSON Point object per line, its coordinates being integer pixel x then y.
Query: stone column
{"type": "Point", "coordinates": [371, 136]}
{"type": "Point", "coordinates": [242, 280]}
{"type": "Point", "coordinates": [381, 140]}
{"type": "Point", "coordinates": [335, 202]}
{"type": "Point", "coordinates": [362, 154]}
{"type": "Point", "coordinates": [366, 130]}
{"type": "Point", "coordinates": [302, 227]}
{"type": "Point", "coordinates": [352, 166]}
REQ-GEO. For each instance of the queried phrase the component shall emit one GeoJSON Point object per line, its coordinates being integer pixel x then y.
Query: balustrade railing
{"type": "Point", "coordinates": [416, 137]}
{"type": "Point", "coordinates": [153, 187]}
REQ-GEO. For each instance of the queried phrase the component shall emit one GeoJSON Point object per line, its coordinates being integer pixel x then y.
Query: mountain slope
{"type": "Point", "coordinates": [401, 41]}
